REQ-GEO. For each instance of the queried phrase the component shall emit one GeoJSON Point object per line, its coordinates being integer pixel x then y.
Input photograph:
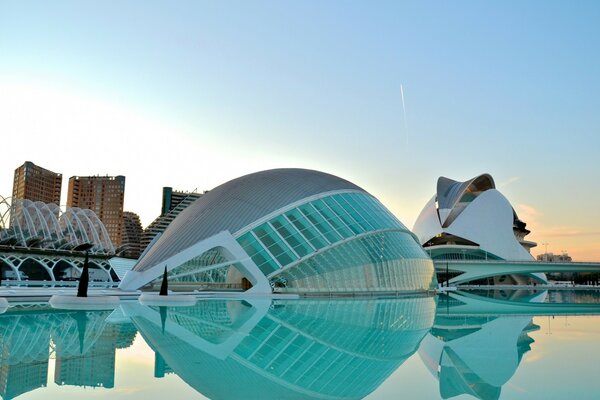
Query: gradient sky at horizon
{"type": "Point", "coordinates": [190, 94]}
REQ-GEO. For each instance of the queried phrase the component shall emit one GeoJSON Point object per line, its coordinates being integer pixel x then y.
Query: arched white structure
{"type": "Point", "coordinates": [288, 230]}
{"type": "Point", "coordinates": [472, 220]}
{"type": "Point", "coordinates": [28, 224]}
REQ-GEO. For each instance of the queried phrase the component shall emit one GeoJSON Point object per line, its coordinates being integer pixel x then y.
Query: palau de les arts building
{"type": "Point", "coordinates": [288, 231]}
{"type": "Point", "coordinates": [472, 220]}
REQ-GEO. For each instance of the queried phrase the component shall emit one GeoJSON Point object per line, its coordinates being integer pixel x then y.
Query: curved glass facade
{"type": "Point", "coordinates": [288, 230]}
{"type": "Point", "coordinates": [386, 261]}
{"type": "Point", "coordinates": [338, 243]}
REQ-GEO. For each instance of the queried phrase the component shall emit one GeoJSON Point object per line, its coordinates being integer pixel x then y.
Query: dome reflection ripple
{"type": "Point", "coordinates": [301, 349]}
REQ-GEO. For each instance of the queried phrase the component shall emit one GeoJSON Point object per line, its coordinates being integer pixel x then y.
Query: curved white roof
{"type": "Point", "coordinates": [238, 203]}
{"type": "Point", "coordinates": [485, 217]}
{"type": "Point", "coordinates": [449, 191]}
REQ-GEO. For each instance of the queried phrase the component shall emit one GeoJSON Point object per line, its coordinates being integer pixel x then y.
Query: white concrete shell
{"type": "Point", "coordinates": [486, 219]}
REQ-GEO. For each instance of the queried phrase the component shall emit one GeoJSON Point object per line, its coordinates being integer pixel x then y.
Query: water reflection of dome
{"type": "Point", "coordinates": [336, 349]}
{"type": "Point", "coordinates": [459, 349]}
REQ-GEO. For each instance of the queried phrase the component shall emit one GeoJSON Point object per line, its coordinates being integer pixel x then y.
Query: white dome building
{"type": "Point", "coordinates": [287, 230]}
{"type": "Point", "coordinates": [472, 220]}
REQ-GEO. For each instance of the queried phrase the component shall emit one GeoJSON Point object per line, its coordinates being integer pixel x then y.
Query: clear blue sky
{"type": "Point", "coordinates": [196, 93]}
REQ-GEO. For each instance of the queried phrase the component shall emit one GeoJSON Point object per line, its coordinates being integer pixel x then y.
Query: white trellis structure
{"type": "Point", "coordinates": [37, 241]}
{"type": "Point", "coordinates": [28, 224]}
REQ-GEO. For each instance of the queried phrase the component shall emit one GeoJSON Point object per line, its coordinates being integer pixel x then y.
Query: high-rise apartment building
{"type": "Point", "coordinates": [132, 235]}
{"type": "Point", "coordinates": [104, 195]}
{"type": "Point", "coordinates": [173, 202]}
{"type": "Point", "coordinates": [172, 198]}
{"type": "Point", "coordinates": [35, 183]}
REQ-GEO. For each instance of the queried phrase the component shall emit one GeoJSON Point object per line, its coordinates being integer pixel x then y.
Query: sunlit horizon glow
{"type": "Point", "coordinates": [193, 95]}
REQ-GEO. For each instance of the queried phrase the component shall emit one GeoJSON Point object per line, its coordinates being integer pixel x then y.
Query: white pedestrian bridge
{"type": "Point", "coordinates": [479, 269]}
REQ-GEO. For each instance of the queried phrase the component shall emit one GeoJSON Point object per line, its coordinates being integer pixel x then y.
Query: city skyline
{"type": "Point", "coordinates": [389, 96]}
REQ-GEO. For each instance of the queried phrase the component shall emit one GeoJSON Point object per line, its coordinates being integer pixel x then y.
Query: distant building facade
{"type": "Point", "coordinates": [32, 182]}
{"type": "Point", "coordinates": [173, 202]}
{"type": "Point", "coordinates": [104, 195]}
{"type": "Point", "coordinates": [551, 257]}
{"type": "Point", "coordinates": [132, 235]}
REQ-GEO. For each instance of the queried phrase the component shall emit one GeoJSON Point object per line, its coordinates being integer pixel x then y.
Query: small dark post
{"type": "Point", "coordinates": [164, 287]}
{"type": "Point", "coordinates": [84, 279]}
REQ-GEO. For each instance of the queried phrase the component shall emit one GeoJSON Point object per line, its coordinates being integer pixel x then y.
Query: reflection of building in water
{"type": "Point", "coordinates": [84, 345]}
{"type": "Point", "coordinates": [160, 366]}
{"type": "Point", "coordinates": [96, 366]}
{"type": "Point", "coordinates": [24, 352]}
{"type": "Point", "coordinates": [474, 355]}
{"type": "Point", "coordinates": [22, 378]}
{"type": "Point", "coordinates": [303, 349]}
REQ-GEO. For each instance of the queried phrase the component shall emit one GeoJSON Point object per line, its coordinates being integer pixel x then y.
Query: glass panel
{"type": "Point", "coordinates": [319, 222]}
{"type": "Point", "coordinates": [274, 244]}
{"type": "Point", "coordinates": [333, 219]}
{"type": "Point", "coordinates": [291, 236]}
{"type": "Point", "coordinates": [357, 211]}
{"type": "Point", "coordinates": [343, 214]}
{"type": "Point", "coordinates": [378, 262]}
{"type": "Point", "coordinates": [306, 229]}
{"type": "Point", "coordinates": [382, 214]}
{"type": "Point", "coordinates": [258, 254]}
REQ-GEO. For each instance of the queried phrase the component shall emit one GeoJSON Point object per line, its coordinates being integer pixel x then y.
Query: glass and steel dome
{"type": "Point", "coordinates": [294, 230]}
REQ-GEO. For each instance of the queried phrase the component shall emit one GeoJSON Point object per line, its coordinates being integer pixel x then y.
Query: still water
{"type": "Point", "coordinates": [465, 345]}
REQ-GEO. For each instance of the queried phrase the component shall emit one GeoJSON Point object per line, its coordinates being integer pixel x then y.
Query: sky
{"type": "Point", "coordinates": [191, 94]}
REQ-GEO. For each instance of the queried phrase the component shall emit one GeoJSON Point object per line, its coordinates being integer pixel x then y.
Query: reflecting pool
{"type": "Point", "coordinates": [463, 345]}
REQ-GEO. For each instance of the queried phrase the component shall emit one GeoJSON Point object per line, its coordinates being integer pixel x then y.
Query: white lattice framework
{"type": "Point", "coordinates": [28, 224]}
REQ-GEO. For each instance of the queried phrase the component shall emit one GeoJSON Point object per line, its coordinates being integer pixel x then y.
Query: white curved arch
{"type": "Point", "coordinates": [21, 218]}
{"type": "Point", "coordinates": [11, 265]}
{"type": "Point", "coordinates": [67, 229]}
{"type": "Point", "coordinates": [102, 239]}
{"type": "Point", "coordinates": [24, 208]}
{"type": "Point", "coordinates": [78, 231]}
{"type": "Point", "coordinates": [40, 225]}
{"type": "Point", "coordinates": [90, 229]}
{"type": "Point", "coordinates": [5, 208]}
{"type": "Point", "coordinates": [38, 262]}
{"type": "Point", "coordinates": [50, 217]}
{"type": "Point", "coordinates": [4, 211]}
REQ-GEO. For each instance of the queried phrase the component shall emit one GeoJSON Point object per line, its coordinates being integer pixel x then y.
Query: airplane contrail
{"type": "Point", "coordinates": [404, 111]}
